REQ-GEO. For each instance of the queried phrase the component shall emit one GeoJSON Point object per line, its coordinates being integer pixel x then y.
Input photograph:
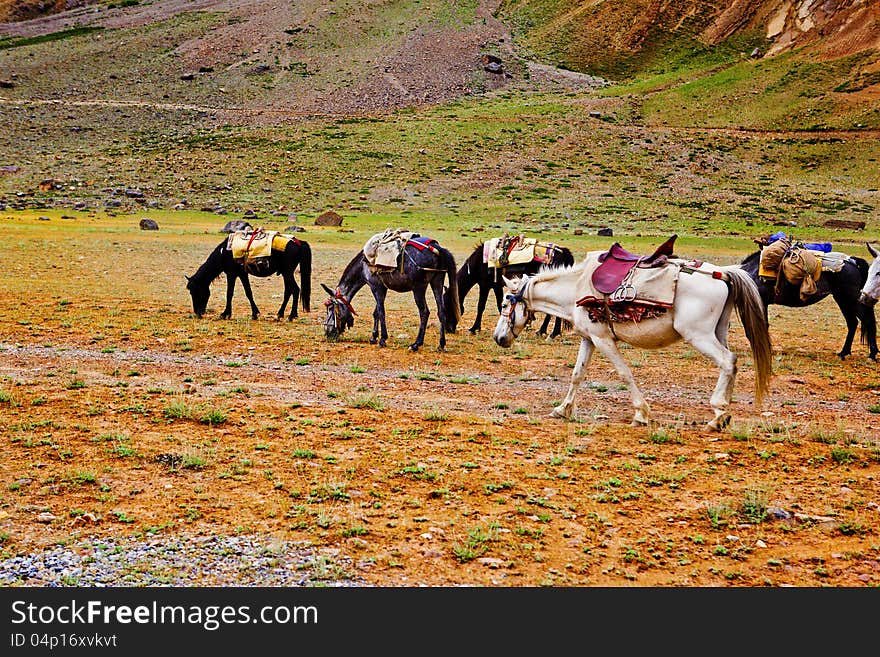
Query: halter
{"type": "Point", "coordinates": [335, 301]}
{"type": "Point", "coordinates": [515, 299]}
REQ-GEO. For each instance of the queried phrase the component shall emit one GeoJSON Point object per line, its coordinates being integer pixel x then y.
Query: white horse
{"type": "Point", "coordinates": [870, 291]}
{"type": "Point", "coordinates": [700, 315]}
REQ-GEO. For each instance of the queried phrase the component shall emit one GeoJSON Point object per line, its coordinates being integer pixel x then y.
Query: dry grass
{"type": "Point", "coordinates": [457, 476]}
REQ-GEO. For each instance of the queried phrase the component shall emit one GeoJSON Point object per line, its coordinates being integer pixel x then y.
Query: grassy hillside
{"type": "Point", "coordinates": [101, 120]}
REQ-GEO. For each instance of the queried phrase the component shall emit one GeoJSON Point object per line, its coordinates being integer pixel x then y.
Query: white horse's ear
{"type": "Point", "coordinates": [510, 283]}
{"type": "Point", "coordinates": [872, 250]}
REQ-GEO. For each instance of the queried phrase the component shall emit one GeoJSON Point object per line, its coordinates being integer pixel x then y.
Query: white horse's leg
{"type": "Point", "coordinates": [566, 408]}
{"type": "Point", "coordinates": [608, 346]}
{"type": "Point", "coordinates": [708, 335]}
{"type": "Point", "coordinates": [709, 346]}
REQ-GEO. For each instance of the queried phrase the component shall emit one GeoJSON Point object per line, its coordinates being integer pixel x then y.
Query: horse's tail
{"type": "Point", "coordinates": [867, 319]}
{"type": "Point", "coordinates": [452, 274]}
{"type": "Point", "coordinates": [305, 275]}
{"type": "Point", "coordinates": [868, 332]}
{"type": "Point", "coordinates": [747, 301]}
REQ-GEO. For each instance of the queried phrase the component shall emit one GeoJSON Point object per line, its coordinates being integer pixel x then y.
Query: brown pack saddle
{"type": "Point", "coordinates": [617, 262]}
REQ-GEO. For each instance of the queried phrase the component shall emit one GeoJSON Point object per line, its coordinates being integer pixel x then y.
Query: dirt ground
{"type": "Point", "coordinates": [124, 415]}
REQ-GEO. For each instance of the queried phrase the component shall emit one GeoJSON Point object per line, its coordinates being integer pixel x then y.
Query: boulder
{"type": "Point", "coordinates": [852, 224]}
{"type": "Point", "coordinates": [329, 218]}
{"type": "Point", "coordinates": [236, 225]}
{"type": "Point", "coordinates": [149, 224]}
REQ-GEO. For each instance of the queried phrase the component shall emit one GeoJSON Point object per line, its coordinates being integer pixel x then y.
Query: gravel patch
{"type": "Point", "coordinates": [181, 561]}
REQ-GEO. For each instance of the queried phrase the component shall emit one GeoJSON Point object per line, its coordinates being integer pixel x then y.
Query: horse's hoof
{"type": "Point", "coordinates": [638, 423]}
{"type": "Point", "coordinates": [224, 316]}
{"type": "Point", "coordinates": [381, 343]}
{"type": "Point", "coordinates": [373, 340]}
{"type": "Point", "coordinates": [414, 347]}
{"type": "Point", "coordinates": [719, 422]}
{"type": "Point", "coordinates": [557, 413]}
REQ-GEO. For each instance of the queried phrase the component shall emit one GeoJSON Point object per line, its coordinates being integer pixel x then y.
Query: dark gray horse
{"type": "Point", "coordinates": [424, 263]}
{"type": "Point", "coordinates": [843, 286]}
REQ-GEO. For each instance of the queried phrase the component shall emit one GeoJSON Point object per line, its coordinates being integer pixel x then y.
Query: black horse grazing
{"type": "Point", "coordinates": [476, 271]}
{"type": "Point", "coordinates": [423, 265]}
{"type": "Point", "coordinates": [844, 287]}
{"type": "Point", "coordinates": [296, 253]}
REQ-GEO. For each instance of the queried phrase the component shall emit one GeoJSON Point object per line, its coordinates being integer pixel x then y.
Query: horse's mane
{"type": "Point", "coordinates": [210, 268]}
{"type": "Point", "coordinates": [476, 256]}
{"type": "Point", "coordinates": [351, 266]}
{"type": "Point", "coordinates": [551, 272]}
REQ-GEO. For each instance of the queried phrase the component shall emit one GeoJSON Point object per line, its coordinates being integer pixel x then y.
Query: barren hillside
{"type": "Point", "coordinates": [615, 38]}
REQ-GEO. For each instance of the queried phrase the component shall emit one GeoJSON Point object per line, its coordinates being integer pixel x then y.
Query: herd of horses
{"type": "Point", "coordinates": [702, 301]}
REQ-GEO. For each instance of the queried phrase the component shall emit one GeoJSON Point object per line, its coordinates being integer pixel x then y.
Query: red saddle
{"type": "Point", "coordinates": [617, 262]}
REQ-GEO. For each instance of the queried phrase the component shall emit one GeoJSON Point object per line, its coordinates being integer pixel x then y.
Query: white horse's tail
{"type": "Point", "coordinates": [747, 300]}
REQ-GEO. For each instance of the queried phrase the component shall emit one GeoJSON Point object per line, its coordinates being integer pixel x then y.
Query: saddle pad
{"type": "Point", "coordinates": [383, 249]}
{"type": "Point", "coordinates": [832, 261]}
{"type": "Point", "coordinates": [544, 252]}
{"type": "Point", "coordinates": [424, 243]}
{"type": "Point", "coordinates": [523, 252]}
{"type": "Point", "coordinates": [246, 245]}
{"type": "Point", "coordinates": [653, 285]}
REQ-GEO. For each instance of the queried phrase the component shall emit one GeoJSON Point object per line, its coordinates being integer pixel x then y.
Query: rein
{"type": "Point", "coordinates": [515, 299]}
{"type": "Point", "coordinates": [334, 301]}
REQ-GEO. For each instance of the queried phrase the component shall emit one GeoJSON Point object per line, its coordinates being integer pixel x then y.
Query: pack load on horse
{"type": "Point", "coordinates": [259, 253]}
{"type": "Point", "coordinates": [398, 260]}
{"type": "Point", "coordinates": [649, 302]}
{"type": "Point", "coordinates": [505, 256]}
{"type": "Point", "coordinates": [792, 273]}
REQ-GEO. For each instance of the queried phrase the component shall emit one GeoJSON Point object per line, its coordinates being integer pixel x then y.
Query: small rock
{"type": "Point", "coordinates": [777, 513]}
{"type": "Point", "coordinates": [149, 224]}
{"type": "Point", "coordinates": [491, 562]}
{"type": "Point", "coordinates": [46, 517]}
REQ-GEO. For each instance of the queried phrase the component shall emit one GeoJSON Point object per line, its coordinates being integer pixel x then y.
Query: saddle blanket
{"type": "Point", "coordinates": [652, 286]}
{"type": "Point", "coordinates": [247, 245]}
{"type": "Point", "coordinates": [383, 249]}
{"type": "Point", "coordinates": [503, 252]}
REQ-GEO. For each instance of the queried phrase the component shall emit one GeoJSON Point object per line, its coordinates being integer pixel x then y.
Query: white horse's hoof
{"type": "Point", "coordinates": [557, 413]}
{"type": "Point", "coordinates": [638, 423]}
{"type": "Point", "coordinates": [719, 422]}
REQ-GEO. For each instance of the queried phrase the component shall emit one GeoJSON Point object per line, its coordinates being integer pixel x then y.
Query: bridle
{"type": "Point", "coordinates": [508, 313]}
{"type": "Point", "coordinates": [334, 303]}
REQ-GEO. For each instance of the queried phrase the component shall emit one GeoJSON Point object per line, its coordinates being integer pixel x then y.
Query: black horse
{"type": "Point", "coordinates": [423, 264]}
{"type": "Point", "coordinates": [296, 253]}
{"type": "Point", "coordinates": [843, 286]}
{"type": "Point", "coordinates": [475, 271]}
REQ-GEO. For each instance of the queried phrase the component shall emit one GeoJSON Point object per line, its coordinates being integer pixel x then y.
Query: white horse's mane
{"type": "Point", "coordinates": [550, 273]}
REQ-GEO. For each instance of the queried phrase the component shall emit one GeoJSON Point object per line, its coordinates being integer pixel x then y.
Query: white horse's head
{"type": "Point", "coordinates": [871, 289]}
{"type": "Point", "coordinates": [515, 313]}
